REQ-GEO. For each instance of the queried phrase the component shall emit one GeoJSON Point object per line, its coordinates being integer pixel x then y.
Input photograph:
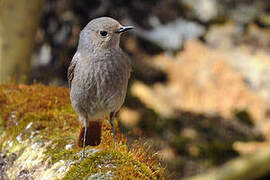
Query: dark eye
{"type": "Point", "coordinates": [103, 33]}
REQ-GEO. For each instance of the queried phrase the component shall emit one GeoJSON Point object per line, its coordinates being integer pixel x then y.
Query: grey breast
{"type": "Point", "coordinates": [100, 84]}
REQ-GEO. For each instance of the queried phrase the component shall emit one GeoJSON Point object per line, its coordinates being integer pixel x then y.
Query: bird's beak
{"type": "Point", "coordinates": [124, 29]}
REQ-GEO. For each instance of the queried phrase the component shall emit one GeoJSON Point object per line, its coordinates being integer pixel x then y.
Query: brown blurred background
{"type": "Point", "coordinates": [200, 88]}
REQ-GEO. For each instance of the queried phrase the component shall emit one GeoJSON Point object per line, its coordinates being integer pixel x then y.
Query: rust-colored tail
{"type": "Point", "coordinates": [93, 134]}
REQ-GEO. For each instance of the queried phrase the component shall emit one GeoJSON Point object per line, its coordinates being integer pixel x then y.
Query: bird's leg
{"type": "Point", "coordinates": [84, 139]}
{"type": "Point", "coordinates": [112, 124]}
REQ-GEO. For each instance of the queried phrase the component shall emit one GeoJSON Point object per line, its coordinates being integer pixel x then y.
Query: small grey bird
{"type": "Point", "coordinates": [98, 77]}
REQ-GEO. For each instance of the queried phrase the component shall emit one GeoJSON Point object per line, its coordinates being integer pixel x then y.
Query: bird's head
{"type": "Point", "coordinates": [102, 32]}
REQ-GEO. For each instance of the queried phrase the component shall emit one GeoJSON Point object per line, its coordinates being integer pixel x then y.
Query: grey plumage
{"type": "Point", "coordinates": [100, 82]}
{"type": "Point", "coordinates": [99, 71]}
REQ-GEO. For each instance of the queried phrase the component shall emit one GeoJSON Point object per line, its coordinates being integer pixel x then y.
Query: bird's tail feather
{"type": "Point", "coordinates": [93, 134]}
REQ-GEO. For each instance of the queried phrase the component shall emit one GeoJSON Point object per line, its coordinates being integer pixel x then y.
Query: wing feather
{"type": "Point", "coordinates": [71, 71]}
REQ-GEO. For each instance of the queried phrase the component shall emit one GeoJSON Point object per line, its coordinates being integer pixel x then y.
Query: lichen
{"type": "Point", "coordinates": [40, 114]}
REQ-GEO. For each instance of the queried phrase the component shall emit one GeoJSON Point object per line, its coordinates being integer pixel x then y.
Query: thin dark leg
{"type": "Point", "coordinates": [112, 124]}
{"type": "Point", "coordinates": [84, 138]}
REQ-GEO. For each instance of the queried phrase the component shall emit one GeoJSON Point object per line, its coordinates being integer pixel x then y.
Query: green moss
{"type": "Point", "coordinates": [110, 161]}
{"type": "Point", "coordinates": [41, 113]}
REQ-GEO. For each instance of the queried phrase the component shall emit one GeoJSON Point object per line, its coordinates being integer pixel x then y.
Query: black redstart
{"type": "Point", "coordinates": [98, 77]}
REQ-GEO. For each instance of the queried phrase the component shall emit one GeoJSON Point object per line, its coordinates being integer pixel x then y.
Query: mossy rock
{"type": "Point", "coordinates": [38, 131]}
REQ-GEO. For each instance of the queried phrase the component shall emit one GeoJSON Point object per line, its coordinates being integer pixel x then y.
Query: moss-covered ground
{"type": "Point", "coordinates": [40, 113]}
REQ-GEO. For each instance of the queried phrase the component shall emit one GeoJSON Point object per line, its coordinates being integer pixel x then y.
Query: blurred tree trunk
{"type": "Point", "coordinates": [18, 24]}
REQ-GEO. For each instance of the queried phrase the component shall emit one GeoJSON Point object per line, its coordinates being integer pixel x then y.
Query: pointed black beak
{"type": "Point", "coordinates": [124, 29]}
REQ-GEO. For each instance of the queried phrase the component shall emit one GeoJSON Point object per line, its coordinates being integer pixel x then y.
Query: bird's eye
{"type": "Point", "coordinates": [103, 33]}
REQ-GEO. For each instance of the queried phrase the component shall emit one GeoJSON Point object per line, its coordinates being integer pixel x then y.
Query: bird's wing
{"type": "Point", "coordinates": [71, 70]}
